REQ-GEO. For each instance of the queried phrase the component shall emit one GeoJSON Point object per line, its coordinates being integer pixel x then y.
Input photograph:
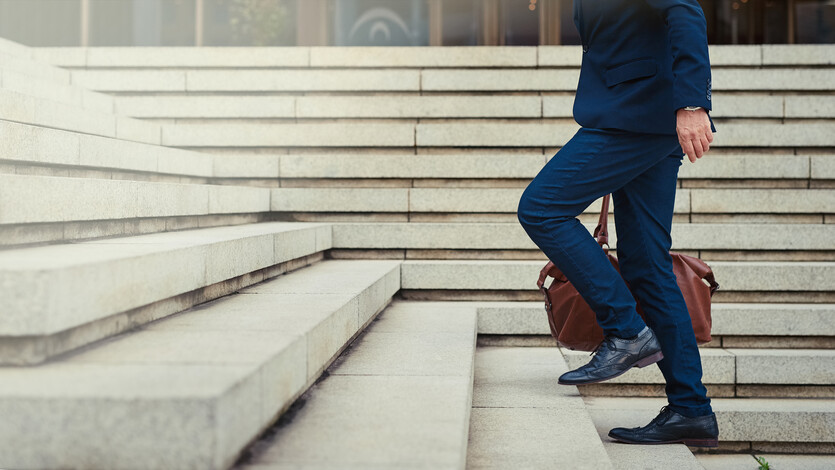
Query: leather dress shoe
{"type": "Point", "coordinates": [670, 427]}
{"type": "Point", "coordinates": [615, 356]}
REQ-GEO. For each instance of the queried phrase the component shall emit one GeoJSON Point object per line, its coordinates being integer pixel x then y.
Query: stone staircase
{"type": "Point", "coordinates": [108, 241]}
{"type": "Point", "coordinates": [192, 237]}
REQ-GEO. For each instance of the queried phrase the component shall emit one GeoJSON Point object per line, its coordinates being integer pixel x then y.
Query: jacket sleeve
{"type": "Point", "coordinates": [688, 39]}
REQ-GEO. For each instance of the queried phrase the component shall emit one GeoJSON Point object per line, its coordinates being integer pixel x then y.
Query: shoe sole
{"type": "Point", "coordinates": [687, 442]}
{"type": "Point", "coordinates": [649, 360]}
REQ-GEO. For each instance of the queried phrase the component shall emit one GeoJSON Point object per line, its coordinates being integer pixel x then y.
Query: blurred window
{"type": "Point", "coordinates": [814, 21]}
{"type": "Point", "coordinates": [250, 22]}
{"type": "Point", "coordinates": [380, 22]}
{"type": "Point", "coordinates": [568, 30]}
{"type": "Point", "coordinates": [747, 21]}
{"type": "Point", "coordinates": [463, 22]}
{"type": "Point", "coordinates": [41, 22]}
{"type": "Point", "coordinates": [142, 22]}
{"type": "Point", "coordinates": [521, 22]}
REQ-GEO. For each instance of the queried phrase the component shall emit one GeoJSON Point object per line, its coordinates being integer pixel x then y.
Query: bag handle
{"type": "Point", "coordinates": [543, 274]}
{"type": "Point", "coordinates": [601, 232]}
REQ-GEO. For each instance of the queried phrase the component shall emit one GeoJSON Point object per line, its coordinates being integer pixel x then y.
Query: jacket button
{"type": "Point", "coordinates": [585, 48]}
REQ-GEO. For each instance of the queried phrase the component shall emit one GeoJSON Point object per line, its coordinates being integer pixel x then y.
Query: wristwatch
{"type": "Point", "coordinates": [692, 108]}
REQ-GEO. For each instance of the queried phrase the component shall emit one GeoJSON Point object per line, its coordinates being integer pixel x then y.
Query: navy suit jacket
{"type": "Point", "coordinates": [642, 61]}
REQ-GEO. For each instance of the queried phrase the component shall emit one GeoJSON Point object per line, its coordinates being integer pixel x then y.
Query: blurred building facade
{"type": "Point", "coordinates": [373, 22]}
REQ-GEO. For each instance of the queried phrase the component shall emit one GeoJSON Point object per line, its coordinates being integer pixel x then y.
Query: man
{"type": "Point", "coordinates": [642, 102]}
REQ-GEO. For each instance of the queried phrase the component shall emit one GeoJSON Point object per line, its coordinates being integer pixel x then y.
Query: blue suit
{"type": "Point", "coordinates": [643, 60]}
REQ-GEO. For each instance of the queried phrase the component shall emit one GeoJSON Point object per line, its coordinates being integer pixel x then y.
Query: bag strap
{"type": "Point", "coordinates": [601, 232]}
{"type": "Point", "coordinates": [543, 274]}
{"type": "Point", "coordinates": [712, 281]}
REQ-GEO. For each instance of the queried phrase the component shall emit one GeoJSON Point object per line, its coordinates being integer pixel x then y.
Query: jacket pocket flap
{"type": "Point", "coordinates": [632, 70]}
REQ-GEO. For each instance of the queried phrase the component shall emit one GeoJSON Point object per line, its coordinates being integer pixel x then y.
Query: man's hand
{"type": "Point", "coordinates": [694, 134]}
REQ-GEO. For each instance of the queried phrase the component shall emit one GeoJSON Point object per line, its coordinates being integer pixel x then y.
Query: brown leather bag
{"type": "Point", "coordinates": [573, 322]}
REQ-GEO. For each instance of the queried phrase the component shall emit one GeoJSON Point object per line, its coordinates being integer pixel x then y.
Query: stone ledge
{"type": "Point", "coordinates": [40, 112]}
{"type": "Point", "coordinates": [740, 366]}
{"type": "Point", "coordinates": [290, 135]}
{"type": "Point", "coordinates": [340, 200]}
{"type": "Point", "coordinates": [758, 201]}
{"type": "Point", "coordinates": [25, 143]}
{"type": "Point", "coordinates": [393, 79]}
{"type": "Point", "coordinates": [748, 420]}
{"type": "Point", "coordinates": [734, 319]}
{"type": "Point", "coordinates": [193, 402]}
{"type": "Point", "coordinates": [484, 56]}
{"type": "Point", "coordinates": [33, 68]}
{"type": "Point", "coordinates": [718, 367]}
{"type": "Point", "coordinates": [433, 106]}
{"type": "Point", "coordinates": [475, 164]}
{"type": "Point", "coordinates": [164, 265]}
{"type": "Point", "coordinates": [503, 164]}
{"type": "Point", "coordinates": [461, 133]}
{"type": "Point", "coordinates": [785, 367]}
{"type": "Point", "coordinates": [42, 199]}
{"type": "Point", "coordinates": [44, 88]}
{"type": "Point", "coordinates": [287, 80]}
{"type": "Point", "coordinates": [806, 54]}
{"type": "Point", "coordinates": [733, 276]}
{"type": "Point", "coordinates": [135, 80]}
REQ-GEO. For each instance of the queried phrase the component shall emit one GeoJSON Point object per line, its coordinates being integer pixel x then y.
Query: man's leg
{"type": "Point", "coordinates": [592, 164]}
{"type": "Point", "coordinates": [643, 218]}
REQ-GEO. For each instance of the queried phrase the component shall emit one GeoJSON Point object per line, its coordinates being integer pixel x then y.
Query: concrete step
{"type": "Point", "coordinates": [523, 419]}
{"type": "Point", "coordinates": [506, 200]}
{"type": "Point", "coordinates": [390, 79]}
{"type": "Point", "coordinates": [639, 457]}
{"type": "Point", "coordinates": [19, 107]}
{"type": "Point", "coordinates": [482, 164]}
{"type": "Point", "coordinates": [745, 424]}
{"type": "Point", "coordinates": [728, 319]}
{"type": "Point", "coordinates": [461, 133]}
{"type": "Point", "coordinates": [781, 461]}
{"type": "Point", "coordinates": [511, 236]}
{"type": "Point", "coordinates": [405, 106]}
{"type": "Point", "coordinates": [724, 79]}
{"type": "Point", "coordinates": [60, 91]}
{"type": "Point", "coordinates": [739, 366]}
{"type": "Point", "coordinates": [481, 276]}
{"type": "Point", "coordinates": [428, 57]}
{"type": "Point", "coordinates": [28, 199]}
{"type": "Point", "coordinates": [24, 144]}
{"type": "Point", "coordinates": [191, 391]}
{"type": "Point", "coordinates": [26, 65]}
{"type": "Point", "coordinates": [59, 297]}
{"type": "Point", "coordinates": [399, 397]}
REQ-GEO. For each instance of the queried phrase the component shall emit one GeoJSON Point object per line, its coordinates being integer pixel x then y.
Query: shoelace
{"type": "Point", "coordinates": [663, 416]}
{"type": "Point", "coordinates": [607, 343]}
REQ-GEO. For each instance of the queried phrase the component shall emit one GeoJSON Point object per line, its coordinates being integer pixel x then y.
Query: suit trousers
{"type": "Point", "coordinates": [640, 171]}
